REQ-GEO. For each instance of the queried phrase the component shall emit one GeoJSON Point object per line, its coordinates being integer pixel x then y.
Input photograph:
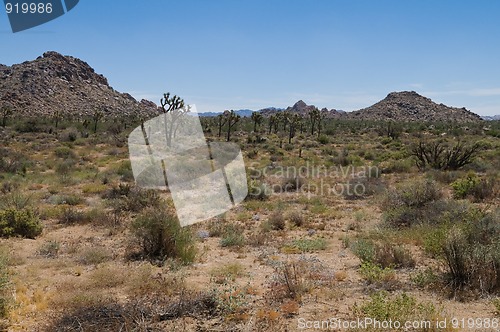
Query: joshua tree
{"type": "Point", "coordinates": [231, 118]}
{"type": "Point", "coordinates": [272, 121]}
{"type": "Point", "coordinates": [175, 107]}
{"type": "Point", "coordinates": [57, 117]}
{"type": "Point", "coordinates": [221, 121]}
{"type": "Point", "coordinates": [96, 117]}
{"type": "Point", "coordinates": [6, 113]}
{"type": "Point", "coordinates": [257, 120]}
{"type": "Point", "coordinates": [314, 116]}
{"type": "Point", "coordinates": [294, 121]}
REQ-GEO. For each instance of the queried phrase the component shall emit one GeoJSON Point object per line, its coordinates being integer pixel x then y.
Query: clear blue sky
{"type": "Point", "coordinates": [234, 54]}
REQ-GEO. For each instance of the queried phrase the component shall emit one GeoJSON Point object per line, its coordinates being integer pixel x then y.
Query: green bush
{"type": "Point", "coordinates": [385, 254]}
{"type": "Point", "coordinates": [374, 274]}
{"type": "Point", "coordinates": [323, 139]}
{"type": "Point", "coordinates": [473, 185]}
{"type": "Point", "coordinates": [24, 223]}
{"type": "Point", "coordinates": [472, 254]}
{"type": "Point", "coordinates": [463, 187]}
{"type": "Point", "coordinates": [13, 162]}
{"type": "Point", "coordinates": [411, 203]}
{"type": "Point", "coordinates": [160, 236]}
{"type": "Point", "coordinates": [401, 308]}
{"type": "Point", "coordinates": [65, 152]}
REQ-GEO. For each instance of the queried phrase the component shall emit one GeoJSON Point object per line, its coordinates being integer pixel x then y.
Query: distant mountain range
{"type": "Point", "coordinates": [491, 118]}
{"type": "Point", "coordinates": [56, 83]}
{"type": "Point", "coordinates": [397, 106]}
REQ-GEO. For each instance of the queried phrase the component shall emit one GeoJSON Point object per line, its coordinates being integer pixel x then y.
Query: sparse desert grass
{"type": "Point", "coordinates": [232, 236]}
{"type": "Point", "coordinates": [94, 255]}
{"type": "Point", "coordinates": [229, 271]}
{"type": "Point", "coordinates": [50, 249]}
{"type": "Point", "coordinates": [304, 245]}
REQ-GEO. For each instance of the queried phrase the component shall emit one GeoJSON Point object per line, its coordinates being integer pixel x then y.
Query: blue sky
{"type": "Point", "coordinates": [235, 54]}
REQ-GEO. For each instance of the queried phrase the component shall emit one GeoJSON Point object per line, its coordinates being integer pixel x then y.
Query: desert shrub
{"type": "Point", "coordinates": [69, 135]}
{"type": "Point", "coordinates": [472, 254]}
{"type": "Point", "coordinates": [463, 186]}
{"type": "Point", "coordinates": [70, 215]}
{"type": "Point", "coordinates": [13, 161]}
{"type": "Point", "coordinates": [94, 255]}
{"type": "Point", "coordinates": [294, 278]}
{"type": "Point", "coordinates": [401, 308]}
{"type": "Point", "coordinates": [363, 249]}
{"type": "Point", "coordinates": [361, 187]}
{"type": "Point", "coordinates": [323, 139]}
{"type": "Point", "coordinates": [474, 186]}
{"type": "Point", "coordinates": [65, 152]}
{"type": "Point", "coordinates": [385, 254]}
{"type": "Point", "coordinates": [49, 249]}
{"type": "Point", "coordinates": [394, 256]}
{"type": "Point", "coordinates": [124, 170]}
{"type": "Point", "coordinates": [296, 218]}
{"type": "Point", "coordinates": [404, 205]}
{"type": "Point", "coordinates": [160, 236]}
{"type": "Point", "coordinates": [133, 199]}
{"type": "Point", "coordinates": [277, 220]}
{"type": "Point", "coordinates": [23, 222]}
{"type": "Point", "coordinates": [259, 190]}
{"type": "Point", "coordinates": [69, 199]}
{"type": "Point", "coordinates": [424, 278]}
{"type": "Point", "coordinates": [415, 193]}
{"type": "Point", "coordinates": [290, 184]}
{"type": "Point", "coordinates": [232, 236]}
{"type": "Point", "coordinates": [375, 274]}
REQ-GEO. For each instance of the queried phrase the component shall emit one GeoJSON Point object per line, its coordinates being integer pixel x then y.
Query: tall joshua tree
{"type": "Point", "coordinates": [314, 115]}
{"type": "Point", "coordinates": [232, 118]}
{"type": "Point", "coordinates": [221, 121]}
{"type": "Point", "coordinates": [97, 116]}
{"type": "Point", "coordinates": [6, 113]}
{"type": "Point", "coordinates": [294, 121]}
{"type": "Point", "coordinates": [257, 120]}
{"type": "Point", "coordinates": [174, 106]}
{"type": "Point", "coordinates": [272, 120]}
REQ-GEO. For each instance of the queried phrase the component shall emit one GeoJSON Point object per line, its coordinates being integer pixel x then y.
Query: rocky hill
{"type": "Point", "coordinates": [56, 83]}
{"type": "Point", "coordinates": [410, 106]}
{"type": "Point", "coordinates": [303, 109]}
